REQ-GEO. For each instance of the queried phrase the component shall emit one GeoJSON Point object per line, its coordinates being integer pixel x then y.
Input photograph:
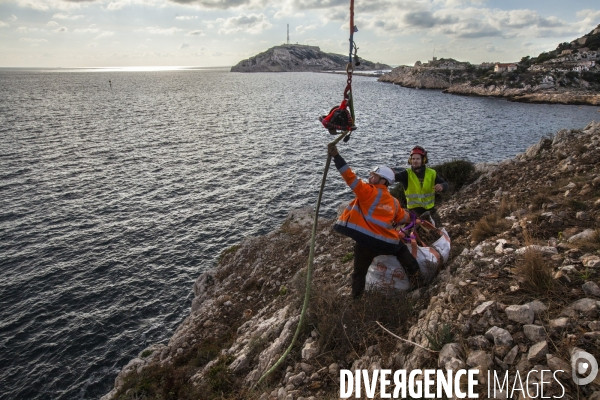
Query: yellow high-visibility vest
{"type": "Point", "coordinates": [420, 195]}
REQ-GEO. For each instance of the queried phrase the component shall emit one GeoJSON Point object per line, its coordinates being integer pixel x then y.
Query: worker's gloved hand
{"type": "Point", "coordinates": [332, 150]}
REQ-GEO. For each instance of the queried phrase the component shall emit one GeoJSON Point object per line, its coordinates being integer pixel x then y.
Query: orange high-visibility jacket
{"type": "Point", "coordinates": [370, 218]}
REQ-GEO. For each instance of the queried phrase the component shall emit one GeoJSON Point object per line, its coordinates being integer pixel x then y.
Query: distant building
{"type": "Point", "coordinates": [564, 52]}
{"type": "Point", "coordinates": [505, 67]}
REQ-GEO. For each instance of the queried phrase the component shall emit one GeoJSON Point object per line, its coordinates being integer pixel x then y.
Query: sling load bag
{"type": "Point", "coordinates": [386, 272]}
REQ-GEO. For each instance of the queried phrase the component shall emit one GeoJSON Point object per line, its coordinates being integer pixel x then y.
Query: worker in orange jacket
{"type": "Point", "coordinates": [370, 219]}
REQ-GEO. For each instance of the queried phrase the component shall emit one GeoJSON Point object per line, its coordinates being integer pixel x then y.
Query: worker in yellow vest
{"type": "Point", "coordinates": [370, 219]}
{"type": "Point", "coordinates": [421, 184]}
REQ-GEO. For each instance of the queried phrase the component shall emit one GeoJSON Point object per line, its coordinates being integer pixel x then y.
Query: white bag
{"type": "Point", "coordinates": [430, 258]}
{"type": "Point", "coordinates": [386, 271]}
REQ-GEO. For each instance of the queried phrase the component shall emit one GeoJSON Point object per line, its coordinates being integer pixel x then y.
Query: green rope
{"type": "Point", "coordinates": [310, 267]}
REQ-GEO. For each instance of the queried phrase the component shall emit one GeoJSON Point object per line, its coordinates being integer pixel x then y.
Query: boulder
{"type": "Point", "coordinates": [545, 250]}
{"type": "Point", "coordinates": [538, 351]}
{"type": "Point", "coordinates": [534, 333]}
{"type": "Point", "coordinates": [511, 356]}
{"type": "Point", "coordinates": [586, 306]}
{"type": "Point", "coordinates": [522, 314]}
{"type": "Point", "coordinates": [483, 307]}
{"type": "Point", "coordinates": [537, 307]}
{"type": "Point", "coordinates": [448, 352]}
{"type": "Point", "coordinates": [587, 234]}
{"type": "Point", "coordinates": [480, 358]}
{"type": "Point", "coordinates": [591, 289]}
{"type": "Point", "coordinates": [501, 337]}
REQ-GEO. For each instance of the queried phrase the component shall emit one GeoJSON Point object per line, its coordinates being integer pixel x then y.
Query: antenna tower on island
{"type": "Point", "coordinates": [288, 34]}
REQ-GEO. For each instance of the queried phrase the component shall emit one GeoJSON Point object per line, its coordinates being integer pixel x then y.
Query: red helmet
{"type": "Point", "coordinates": [419, 150]}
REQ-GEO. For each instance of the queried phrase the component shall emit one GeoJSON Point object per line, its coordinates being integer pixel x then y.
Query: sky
{"type": "Point", "coordinates": [210, 33]}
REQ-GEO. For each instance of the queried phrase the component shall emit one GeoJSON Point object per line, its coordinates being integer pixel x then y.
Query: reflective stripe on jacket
{"type": "Point", "coordinates": [370, 218]}
{"type": "Point", "coordinates": [420, 195]}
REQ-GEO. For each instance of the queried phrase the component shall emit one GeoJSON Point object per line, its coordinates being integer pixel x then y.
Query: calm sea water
{"type": "Point", "coordinates": [113, 200]}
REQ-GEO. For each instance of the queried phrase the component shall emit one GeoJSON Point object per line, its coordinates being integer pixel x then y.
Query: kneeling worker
{"type": "Point", "coordinates": [370, 220]}
{"type": "Point", "coordinates": [421, 184]}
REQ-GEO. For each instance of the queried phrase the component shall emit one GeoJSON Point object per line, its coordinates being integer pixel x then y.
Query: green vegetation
{"type": "Point", "coordinates": [456, 172]}
{"type": "Point", "coordinates": [348, 257]}
{"type": "Point", "coordinates": [437, 339]}
{"type": "Point", "coordinates": [146, 353]}
{"type": "Point", "coordinates": [229, 251]}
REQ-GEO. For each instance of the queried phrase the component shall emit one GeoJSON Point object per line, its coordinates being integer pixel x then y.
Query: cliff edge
{"type": "Point", "coordinates": [519, 293]}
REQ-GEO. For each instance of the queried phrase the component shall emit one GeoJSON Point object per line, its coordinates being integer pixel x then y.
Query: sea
{"type": "Point", "coordinates": [119, 187]}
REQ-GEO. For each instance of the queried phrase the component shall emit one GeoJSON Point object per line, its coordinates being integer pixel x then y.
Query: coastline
{"type": "Point", "coordinates": [248, 306]}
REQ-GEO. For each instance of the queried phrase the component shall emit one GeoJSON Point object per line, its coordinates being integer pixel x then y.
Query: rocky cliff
{"type": "Point", "coordinates": [519, 293]}
{"type": "Point", "coordinates": [294, 57]}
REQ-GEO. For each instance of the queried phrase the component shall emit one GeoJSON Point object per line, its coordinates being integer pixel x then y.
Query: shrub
{"type": "Point", "coordinates": [456, 172]}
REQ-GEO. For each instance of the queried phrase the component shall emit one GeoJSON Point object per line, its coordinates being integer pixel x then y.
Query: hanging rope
{"type": "Point", "coordinates": [309, 272]}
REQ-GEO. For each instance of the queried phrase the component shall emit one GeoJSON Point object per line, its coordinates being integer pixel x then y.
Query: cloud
{"type": "Point", "coordinates": [219, 4]}
{"type": "Point", "coordinates": [90, 29]}
{"type": "Point", "coordinates": [52, 24]}
{"type": "Point", "coordinates": [4, 25]}
{"type": "Point", "coordinates": [184, 46]}
{"type": "Point", "coordinates": [45, 5]}
{"type": "Point", "coordinates": [24, 29]}
{"type": "Point", "coordinates": [186, 17]}
{"type": "Point", "coordinates": [61, 29]}
{"type": "Point", "coordinates": [252, 23]}
{"type": "Point", "coordinates": [197, 32]}
{"type": "Point", "coordinates": [159, 31]}
{"type": "Point", "coordinates": [114, 6]}
{"type": "Point", "coordinates": [318, 4]}
{"type": "Point", "coordinates": [303, 29]}
{"type": "Point", "coordinates": [13, 18]}
{"type": "Point", "coordinates": [104, 34]}
{"type": "Point", "coordinates": [91, 45]}
{"type": "Point", "coordinates": [66, 16]}
{"type": "Point", "coordinates": [33, 42]}
{"type": "Point", "coordinates": [426, 19]}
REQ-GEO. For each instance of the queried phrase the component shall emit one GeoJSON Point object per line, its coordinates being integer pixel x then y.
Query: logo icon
{"type": "Point", "coordinates": [582, 364]}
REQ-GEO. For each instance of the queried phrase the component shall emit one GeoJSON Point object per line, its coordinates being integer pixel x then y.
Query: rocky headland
{"type": "Point", "coordinates": [300, 58]}
{"type": "Point", "coordinates": [569, 74]}
{"type": "Point", "coordinates": [519, 293]}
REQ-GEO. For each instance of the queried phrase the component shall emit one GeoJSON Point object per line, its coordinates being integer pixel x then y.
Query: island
{"type": "Point", "coordinates": [299, 58]}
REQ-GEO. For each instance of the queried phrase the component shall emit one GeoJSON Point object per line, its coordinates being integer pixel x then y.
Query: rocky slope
{"type": "Point", "coordinates": [294, 57]}
{"type": "Point", "coordinates": [520, 292]}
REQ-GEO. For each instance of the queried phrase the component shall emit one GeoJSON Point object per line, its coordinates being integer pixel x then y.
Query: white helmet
{"type": "Point", "coordinates": [385, 172]}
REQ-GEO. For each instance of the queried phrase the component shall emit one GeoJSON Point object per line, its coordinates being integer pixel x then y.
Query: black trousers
{"type": "Point", "coordinates": [363, 257]}
{"type": "Point", "coordinates": [432, 211]}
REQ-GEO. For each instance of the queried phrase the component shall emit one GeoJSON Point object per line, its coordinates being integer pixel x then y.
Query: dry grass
{"type": "Point", "coordinates": [535, 273]}
{"type": "Point", "coordinates": [488, 226]}
{"type": "Point", "coordinates": [347, 327]}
